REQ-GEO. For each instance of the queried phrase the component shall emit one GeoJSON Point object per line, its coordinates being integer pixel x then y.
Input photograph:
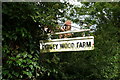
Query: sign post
{"type": "Point", "coordinates": [67, 44]}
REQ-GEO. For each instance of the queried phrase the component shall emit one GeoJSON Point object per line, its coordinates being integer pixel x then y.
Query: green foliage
{"type": "Point", "coordinates": [106, 53]}
{"type": "Point", "coordinates": [21, 34]}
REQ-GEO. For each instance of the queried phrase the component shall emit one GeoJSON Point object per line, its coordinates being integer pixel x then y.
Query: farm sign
{"type": "Point", "coordinates": [67, 44]}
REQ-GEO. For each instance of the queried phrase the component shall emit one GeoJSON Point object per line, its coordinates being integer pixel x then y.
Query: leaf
{"type": "Point", "coordinates": [31, 66]}
{"type": "Point", "coordinates": [48, 74]}
{"type": "Point", "coordinates": [5, 72]}
{"type": "Point", "coordinates": [30, 56]}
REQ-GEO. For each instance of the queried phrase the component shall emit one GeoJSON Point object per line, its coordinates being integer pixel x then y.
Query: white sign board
{"type": "Point", "coordinates": [67, 44]}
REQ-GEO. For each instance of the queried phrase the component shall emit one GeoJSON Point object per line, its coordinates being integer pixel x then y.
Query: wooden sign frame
{"type": "Point", "coordinates": [67, 44]}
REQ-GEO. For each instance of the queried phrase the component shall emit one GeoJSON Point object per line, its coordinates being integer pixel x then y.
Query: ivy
{"type": "Point", "coordinates": [21, 55]}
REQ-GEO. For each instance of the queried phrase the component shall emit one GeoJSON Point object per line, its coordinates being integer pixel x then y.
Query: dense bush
{"type": "Point", "coordinates": [21, 34]}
